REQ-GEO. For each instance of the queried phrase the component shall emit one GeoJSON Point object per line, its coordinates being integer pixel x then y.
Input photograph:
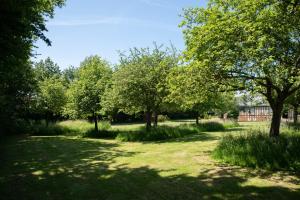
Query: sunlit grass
{"type": "Point", "coordinates": [67, 167]}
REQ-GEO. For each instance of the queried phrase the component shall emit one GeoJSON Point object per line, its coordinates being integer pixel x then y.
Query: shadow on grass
{"type": "Point", "coordinates": [61, 168]}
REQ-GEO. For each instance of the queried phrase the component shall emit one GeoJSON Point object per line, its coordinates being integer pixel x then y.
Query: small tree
{"type": "Point", "coordinates": [249, 45]}
{"type": "Point", "coordinates": [140, 80]}
{"type": "Point", "coordinates": [85, 93]}
{"type": "Point", "coordinates": [51, 98]}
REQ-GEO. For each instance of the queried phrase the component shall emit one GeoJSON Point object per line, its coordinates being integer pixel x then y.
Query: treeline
{"type": "Point", "coordinates": [146, 83]}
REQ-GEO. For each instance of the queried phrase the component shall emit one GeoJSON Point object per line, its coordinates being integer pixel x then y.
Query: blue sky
{"type": "Point", "coordinates": [102, 27]}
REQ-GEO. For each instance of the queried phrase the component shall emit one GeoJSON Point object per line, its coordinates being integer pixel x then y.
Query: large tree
{"type": "Point", "coordinates": [22, 23]}
{"type": "Point", "coordinates": [140, 81]}
{"type": "Point", "coordinates": [249, 45]}
{"type": "Point", "coordinates": [86, 91]}
{"type": "Point", "coordinates": [190, 92]}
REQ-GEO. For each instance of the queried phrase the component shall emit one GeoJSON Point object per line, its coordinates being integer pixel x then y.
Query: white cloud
{"type": "Point", "coordinates": [83, 22]}
{"type": "Point", "coordinates": [115, 21]}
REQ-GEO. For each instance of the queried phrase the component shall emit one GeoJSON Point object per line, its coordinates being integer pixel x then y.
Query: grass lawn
{"type": "Point", "coordinates": [60, 167]}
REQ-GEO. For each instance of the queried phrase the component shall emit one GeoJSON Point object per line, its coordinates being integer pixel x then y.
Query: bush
{"type": "Point", "coordinates": [162, 118]}
{"type": "Point", "coordinates": [155, 134]}
{"type": "Point", "coordinates": [258, 150]}
{"type": "Point", "coordinates": [210, 126]}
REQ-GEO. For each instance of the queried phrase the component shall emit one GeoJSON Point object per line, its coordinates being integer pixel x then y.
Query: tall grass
{"type": "Point", "coordinates": [256, 149]}
{"type": "Point", "coordinates": [155, 134]}
{"type": "Point", "coordinates": [70, 128]}
{"type": "Point", "coordinates": [129, 133]}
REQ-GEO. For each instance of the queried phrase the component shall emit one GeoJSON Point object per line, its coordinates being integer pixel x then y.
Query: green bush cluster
{"type": "Point", "coordinates": [156, 134]}
{"type": "Point", "coordinates": [256, 149]}
{"type": "Point", "coordinates": [210, 126]}
{"type": "Point", "coordinates": [162, 118]}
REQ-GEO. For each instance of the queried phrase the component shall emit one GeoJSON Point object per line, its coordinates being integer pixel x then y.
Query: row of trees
{"type": "Point", "coordinates": [147, 81]}
{"type": "Point", "coordinates": [231, 45]}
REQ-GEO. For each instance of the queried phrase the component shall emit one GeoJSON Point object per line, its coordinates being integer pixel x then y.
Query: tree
{"type": "Point", "coordinates": [45, 69]}
{"type": "Point", "coordinates": [22, 23]}
{"type": "Point", "coordinates": [249, 45]}
{"type": "Point", "coordinates": [86, 91]}
{"type": "Point", "coordinates": [69, 75]}
{"type": "Point", "coordinates": [190, 91]}
{"type": "Point", "coordinates": [51, 98]}
{"type": "Point", "coordinates": [140, 80]}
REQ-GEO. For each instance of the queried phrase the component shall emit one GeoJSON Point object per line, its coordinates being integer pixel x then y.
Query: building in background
{"type": "Point", "coordinates": [255, 113]}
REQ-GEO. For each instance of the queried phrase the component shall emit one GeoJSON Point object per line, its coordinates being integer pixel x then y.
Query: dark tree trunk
{"type": "Point", "coordinates": [196, 114]}
{"type": "Point", "coordinates": [295, 114]}
{"type": "Point", "coordinates": [96, 123]}
{"type": "Point", "coordinates": [47, 119]}
{"type": "Point", "coordinates": [148, 120]}
{"type": "Point", "coordinates": [276, 118]}
{"type": "Point", "coordinates": [155, 119]}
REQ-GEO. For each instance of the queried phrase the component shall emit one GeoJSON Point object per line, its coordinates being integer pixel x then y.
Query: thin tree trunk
{"type": "Point", "coordinates": [295, 114]}
{"type": "Point", "coordinates": [155, 119]}
{"type": "Point", "coordinates": [96, 123]}
{"type": "Point", "coordinates": [148, 120]}
{"type": "Point", "coordinates": [276, 118]}
{"type": "Point", "coordinates": [197, 117]}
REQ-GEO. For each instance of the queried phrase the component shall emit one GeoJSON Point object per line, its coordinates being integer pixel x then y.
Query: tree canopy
{"type": "Point", "coordinates": [86, 91]}
{"type": "Point", "coordinates": [249, 45]}
{"type": "Point", "coordinates": [140, 80]}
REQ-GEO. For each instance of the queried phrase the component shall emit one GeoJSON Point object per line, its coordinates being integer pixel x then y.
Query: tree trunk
{"type": "Point", "coordinates": [96, 123]}
{"type": "Point", "coordinates": [148, 120]}
{"type": "Point", "coordinates": [276, 118]}
{"type": "Point", "coordinates": [197, 117]}
{"type": "Point", "coordinates": [295, 114]}
{"type": "Point", "coordinates": [155, 119]}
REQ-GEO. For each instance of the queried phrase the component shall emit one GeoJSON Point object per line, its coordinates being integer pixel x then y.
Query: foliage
{"type": "Point", "coordinates": [162, 118]}
{"type": "Point", "coordinates": [190, 90]}
{"type": "Point", "coordinates": [45, 69]}
{"type": "Point", "coordinates": [247, 45]}
{"type": "Point", "coordinates": [21, 25]}
{"type": "Point", "coordinates": [86, 91]}
{"type": "Point", "coordinates": [256, 149]}
{"type": "Point", "coordinates": [51, 98]}
{"type": "Point", "coordinates": [139, 83]}
{"type": "Point", "coordinates": [68, 75]}
{"type": "Point", "coordinates": [155, 134]}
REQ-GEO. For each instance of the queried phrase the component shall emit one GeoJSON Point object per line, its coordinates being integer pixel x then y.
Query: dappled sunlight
{"type": "Point", "coordinates": [181, 168]}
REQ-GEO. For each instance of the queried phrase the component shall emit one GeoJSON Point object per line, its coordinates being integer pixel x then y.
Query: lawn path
{"type": "Point", "coordinates": [74, 168]}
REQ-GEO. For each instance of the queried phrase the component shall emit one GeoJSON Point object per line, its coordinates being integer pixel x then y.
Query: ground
{"type": "Point", "coordinates": [60, 167]}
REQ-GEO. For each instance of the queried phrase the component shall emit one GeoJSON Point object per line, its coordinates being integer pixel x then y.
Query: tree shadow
{"type": "Point", "coordinates": [63, 168]}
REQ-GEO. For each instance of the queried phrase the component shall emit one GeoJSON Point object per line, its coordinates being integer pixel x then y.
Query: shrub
{"type": "Point", "coordinates": [210, 126]}
{"type": "Point", "coordinates": [155, 134]}
{"type": "Point", "coordinates": [162, 118]}
{"type": "Point", "coordinates": [258, 150]}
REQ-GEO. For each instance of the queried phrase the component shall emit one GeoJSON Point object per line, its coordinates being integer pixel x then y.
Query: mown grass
{"type": "Point", "coordinates": [75, 168]}
{"type": "Point", "coordinates": [257, 150]}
